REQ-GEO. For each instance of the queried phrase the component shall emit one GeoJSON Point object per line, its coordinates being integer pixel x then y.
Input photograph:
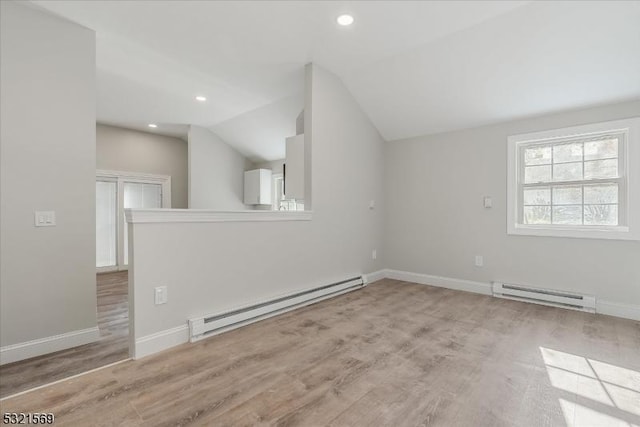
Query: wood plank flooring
{"type": "Point", "coordinates": [113, 346]}
{"type": "Point", "coordinates": [393, 353]}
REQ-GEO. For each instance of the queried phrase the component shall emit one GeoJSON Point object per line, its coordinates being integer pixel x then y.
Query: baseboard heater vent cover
{"type": "Point", "coordinates": [203, 327]}
{"type": "Point", "coordinates": [550, 297]}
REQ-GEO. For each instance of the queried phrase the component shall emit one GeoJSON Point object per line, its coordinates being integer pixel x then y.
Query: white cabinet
{"type": "Point", "coordinates": [294, 176]}
{"type": "Point", "coordinates": [257, 187]}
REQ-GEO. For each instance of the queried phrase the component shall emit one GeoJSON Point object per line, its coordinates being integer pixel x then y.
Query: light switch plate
{"type": "Point", "coordinates": [479, 260]}
{"type": "Point", "coordinates": [488, 203]}
{"type": "Point", "coordinates": [44, 218]}
{"type": "Point", "coordinates": [160, 295]}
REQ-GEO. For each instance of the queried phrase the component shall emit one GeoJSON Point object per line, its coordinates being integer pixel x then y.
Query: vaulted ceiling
{"type": "Point", "coordinates": [415, 67]}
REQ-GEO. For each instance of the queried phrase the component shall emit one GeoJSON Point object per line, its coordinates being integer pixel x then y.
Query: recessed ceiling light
{"type": "Point", "coordinates": [201, 98]}
{"type": "Point", "coordinates": [153, 125]}
{"type": "Point", "coordinates": [345, 20]}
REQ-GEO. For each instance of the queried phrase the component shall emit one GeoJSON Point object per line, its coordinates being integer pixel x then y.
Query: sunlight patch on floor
{"type": "Point", "coordinates": [607, 386]}
{"type": "Point", "coordinates": [582, 416]}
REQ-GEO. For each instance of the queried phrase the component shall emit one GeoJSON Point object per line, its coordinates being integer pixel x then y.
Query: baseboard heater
{"type": "Point", "coordinates": [545, 297]}
{"type": "Point", "coordinates": [203, 327]}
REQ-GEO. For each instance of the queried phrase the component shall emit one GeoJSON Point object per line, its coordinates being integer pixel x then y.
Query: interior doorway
{"type": "Point", "coordinates": [112, 347]}
{"type": "Point", "coordinates": [115, 192]}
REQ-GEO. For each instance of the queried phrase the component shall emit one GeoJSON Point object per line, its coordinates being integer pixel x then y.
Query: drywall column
{"type": "Point", "coordinates": [211, 265]}
{"type": "Point", "coordinates": [47, 159]}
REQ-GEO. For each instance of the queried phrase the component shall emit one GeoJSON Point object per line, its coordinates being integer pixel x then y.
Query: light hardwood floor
{"type": "Point", "coordinates": [393, 353]}
{"type": "Point", "coordinates": [113, 346]}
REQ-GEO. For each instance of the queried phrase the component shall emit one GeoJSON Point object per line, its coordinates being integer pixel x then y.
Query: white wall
{"type": "Point", "coordinates": [260, 134]}
{"type": "Point", "coordinates": [210, 267]}
{"type": "Point", "coordinates": [134, 151]}
{"type": "Point", "coordinates": [436, 222]}
{"type": "Point", "coordinates": [47, 116]}
{"type": "Point", "coordinates": [276, 166]}
{"type": "Point", "coordinates": [216, 172]}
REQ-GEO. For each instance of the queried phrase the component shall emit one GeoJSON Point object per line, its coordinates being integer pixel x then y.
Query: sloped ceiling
{"type": "Point", "coordinates": [414, 67]}
{"type": "Point", "coordinates": [536, 59]}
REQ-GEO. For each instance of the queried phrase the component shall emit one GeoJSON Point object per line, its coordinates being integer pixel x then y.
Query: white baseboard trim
{"type": "Point", "coordinates": [276, 313]}
{"type": "Point", "coordinates": [159, 341]}
{"type": "Point", "coordinates": [439, 281]}
{"type": "Point", "coordinates": [26, 350]}
{"type": "Point", "coordinates": [163, 340]}
{"type": "Point", "coordinates": [374, 276]}
{"type": "Point", "coordinates": [168, 338]}
{"type": "Point", "coordinates": [617, 309]}
{"type": "Point", "coordinates": [625, 311]}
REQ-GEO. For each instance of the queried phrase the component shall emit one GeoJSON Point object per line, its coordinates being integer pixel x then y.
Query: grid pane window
{"type": "Point", "coordinates": [602, 149]}
{"type": "Point", "coordinates": [601, 194]}
{"type": "Point", "coordinates": [601, 214]}
{"type": "Point", "coordinates": [567, 214]}
{"type": "Point", "coordinates": [601, 169]}
{"type": "Point", "coordinates": [573, 182]}
{"type": "Point", "coordinates": [534, 174]}
{"type": "Point", "coordinates": [564, 153]}
{"type": "Point", "coordinates": [538, 155]}
{"type": "Point", "coordinates": [537, 214]}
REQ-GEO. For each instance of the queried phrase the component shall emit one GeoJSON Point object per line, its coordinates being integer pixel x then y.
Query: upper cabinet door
{"type": "Point", "coordinates": [257, 187]}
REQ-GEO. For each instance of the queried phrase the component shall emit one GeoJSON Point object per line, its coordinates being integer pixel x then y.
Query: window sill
{"type": "Point", "coordinates": [609, 233]}
{"type": "Point", "coordinates": [138, 216]}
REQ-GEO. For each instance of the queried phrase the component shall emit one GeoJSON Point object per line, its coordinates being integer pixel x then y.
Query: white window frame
{"type": "Point", "coordinates": [120, 177]}
{"type": "Point", "coordinates": [629, 182]}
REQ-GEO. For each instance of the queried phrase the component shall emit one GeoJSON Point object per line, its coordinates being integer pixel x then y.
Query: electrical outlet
{"type": "Point", "coordinates": [160, 295]}
{"type": "Point", "coordinates": [479, 260]}
{"type": "Point", "coordinates": [374, 254]}
{"type": "Point", "coordinates": [44, 218]}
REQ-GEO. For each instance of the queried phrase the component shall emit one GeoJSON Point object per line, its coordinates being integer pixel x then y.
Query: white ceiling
{"type": "Point", "coordinates": [261, 132]}
{"type": "Point", "coordinates": [536, 59]}
{"type": "Point", "coordinates": [414, 67]}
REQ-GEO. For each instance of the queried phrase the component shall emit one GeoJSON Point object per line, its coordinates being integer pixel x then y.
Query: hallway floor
{"type": "Point", "coordinates": [113, 346]}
